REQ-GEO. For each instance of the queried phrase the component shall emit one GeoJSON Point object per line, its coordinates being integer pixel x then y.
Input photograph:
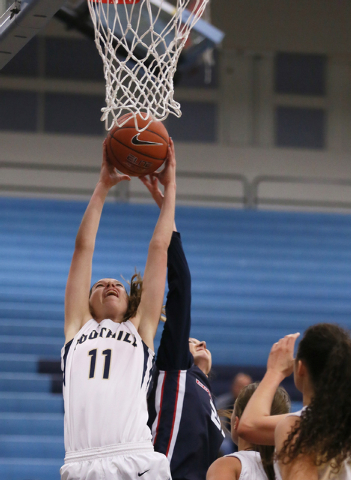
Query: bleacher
{"type": "Point", "coordinates": [256, 277]}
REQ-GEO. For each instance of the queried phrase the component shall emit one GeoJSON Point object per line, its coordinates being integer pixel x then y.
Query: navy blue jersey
{"type": "Point", "coordinates": [182, 416]}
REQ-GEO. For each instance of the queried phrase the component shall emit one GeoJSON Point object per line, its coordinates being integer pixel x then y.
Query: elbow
{"type": "Point", "coordinates": [159, 245]}
{"type": "Point", "coordinates": [245, 430]}
{"type": "Point", "coordinates": [82, 244]}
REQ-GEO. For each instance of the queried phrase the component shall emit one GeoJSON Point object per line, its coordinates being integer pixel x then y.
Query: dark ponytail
{"type": "Point", "coordinates": [324, 432]}
{"type": "Point", "coordinates": [280, 405]}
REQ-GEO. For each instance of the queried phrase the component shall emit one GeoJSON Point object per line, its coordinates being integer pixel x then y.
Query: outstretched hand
{"type": "Point", "coordinates": [151, 184]}
{"type": "Point", "coordinates": [281, 357]}
{"type": "Point", "coordinates": [108, 174]}
{"type": "Point", "coordinates": [167, 175]}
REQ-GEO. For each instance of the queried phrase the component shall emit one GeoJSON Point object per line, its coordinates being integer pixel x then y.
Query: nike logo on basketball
{"type": "Point", "coordinates": [140, 474]}
{"type": "Point", "coordinates": [136, 141]}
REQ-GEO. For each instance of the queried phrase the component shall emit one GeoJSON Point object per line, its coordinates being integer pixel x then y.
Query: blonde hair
{"type": "Point", "coordinates": [281, 404]}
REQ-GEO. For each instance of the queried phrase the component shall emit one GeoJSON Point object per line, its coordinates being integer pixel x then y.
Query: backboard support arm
{"type": "Point", "coordinates": [21, 22]}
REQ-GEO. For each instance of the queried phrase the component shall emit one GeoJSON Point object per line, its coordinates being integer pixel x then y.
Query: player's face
{"type": "Point", "coordinates": [109, 299]}
{"type": "Point", "coordinates": [202, 356]}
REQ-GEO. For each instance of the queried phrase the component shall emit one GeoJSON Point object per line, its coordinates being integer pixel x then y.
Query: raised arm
{"type": "Point", "coordinates": [173, 352]}
{"type": "Point", "coordinates": [149, 310]}
{"type": "Point", "coordinates": [79, 277]}
{"type": "Point", "coordinates": [257, 425]}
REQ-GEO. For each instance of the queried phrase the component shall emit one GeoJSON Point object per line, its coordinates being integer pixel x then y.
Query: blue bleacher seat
{"type": "Point", "coordinates": [256, 276]}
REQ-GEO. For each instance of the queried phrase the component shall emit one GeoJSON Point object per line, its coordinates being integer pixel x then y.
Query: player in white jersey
{"type": "Point", "coordinates": [108, 354]}
{"type": "Point", "coordinates": [323, 471]}
{"type": "Point", "coordinates": [251, 461]}
{"type": "Point", "coordinates": [313, 444]}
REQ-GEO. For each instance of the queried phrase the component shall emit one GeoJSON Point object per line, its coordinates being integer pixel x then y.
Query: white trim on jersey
{"type": "Point", "coordinates": [158, 399]}
{"type": "Point", "coordinates": [178, 414]}
{"type": "Point", "coordinates": [148, 365]}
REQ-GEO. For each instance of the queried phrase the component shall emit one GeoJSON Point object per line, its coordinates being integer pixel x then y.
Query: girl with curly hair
{"type": "Point", "coordinates": [251, 461]}
{"type": "Point", "coordinates": [314, 443]}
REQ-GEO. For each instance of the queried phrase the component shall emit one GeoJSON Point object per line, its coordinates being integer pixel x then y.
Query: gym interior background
{"type": "Point", "coordinates": [271, 132]}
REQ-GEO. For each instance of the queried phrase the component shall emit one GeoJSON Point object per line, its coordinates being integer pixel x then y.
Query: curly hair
{"type": "Point", "coordinates": [324, 430]}
{"type": "Point", "coordinates": [281, 404]}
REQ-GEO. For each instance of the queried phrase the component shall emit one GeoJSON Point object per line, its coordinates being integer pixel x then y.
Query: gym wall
{"type": "Point", "coordinates": [279, 103]}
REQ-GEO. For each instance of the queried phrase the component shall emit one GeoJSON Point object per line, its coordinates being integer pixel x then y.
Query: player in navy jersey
{"type": "Point", "coordinates": [184, 422]}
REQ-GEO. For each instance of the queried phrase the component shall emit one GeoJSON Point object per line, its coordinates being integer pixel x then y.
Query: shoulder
{"type": "Point", "coordinates": [225, 468]}
{"type": "Point", "coordinates": [284, 427]}
{"type": "Point", "coordinates": [288, 421]}
{"type": "Point", "coordinates": [72, 333]}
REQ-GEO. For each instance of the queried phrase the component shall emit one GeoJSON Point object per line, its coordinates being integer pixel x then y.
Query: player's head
{"type": "Point", "coordinates": [323, 371]}
{"type": "Point", "coordinates": [108, 298]}
{"type": "Point", "coordinates": [280, 405]}
{"type": "Point", "coordinates": [323, 347]}
{"type": "Point", "coordinates": [202, 356]}
{"type": "Point", "coordinates": [240, 381]}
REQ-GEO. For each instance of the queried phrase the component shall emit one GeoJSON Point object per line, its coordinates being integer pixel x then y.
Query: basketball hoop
{"type": "Point", "coordinates": [140, 82]}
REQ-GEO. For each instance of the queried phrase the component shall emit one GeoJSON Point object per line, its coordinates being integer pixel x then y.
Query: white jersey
{"type": "Point", "coordinates": [324, 470]}
{"type": "Point", "coordinates": [251, 465]}
{"type": "Point", "coordinates": [106, 372]}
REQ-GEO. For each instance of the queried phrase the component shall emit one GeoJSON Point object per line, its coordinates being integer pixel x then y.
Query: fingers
{"type": "Point", "coordinates": [151, 183]}
{"type": "Point", "coordinates": [281, 357]}
{"type": "Point", "coordinates": [104, 151]}
{"type": "Point", "coordinates": [287, 339]}
{"type": "Point", "coordinates": [171, 152]}
{"type": "Point", "coordinates": [124, 177]}
{"type": "Point", "coordinates": [144, 180]}
{"type": "Point", "coordinates": [287, 342]}
{"type": "Point", "coordinates": [154, 180]}
{"type": "Point", "coordinates": [291, 338]}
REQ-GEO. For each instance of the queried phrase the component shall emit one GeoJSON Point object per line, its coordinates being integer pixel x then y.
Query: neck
{"type": "Point", "coordinates": [244, 445]}
{"type": "Point", "coordinates": [114, 318]}
{"type": "Point", "coordinates": [307, 394]}
{"type": "Point", "coordinates": [306, 398]}
{"type": "Point", "coordinates": [203, 366]}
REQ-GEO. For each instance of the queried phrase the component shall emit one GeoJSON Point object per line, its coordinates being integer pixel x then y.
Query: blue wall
{"type": "Point", "coordinates": [256, 277]}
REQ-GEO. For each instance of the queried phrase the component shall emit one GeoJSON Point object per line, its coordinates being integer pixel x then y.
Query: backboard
{"type": "Point", "coordinates": [20, 21]}
{"type": "Point", "coordinates": [203, 35]}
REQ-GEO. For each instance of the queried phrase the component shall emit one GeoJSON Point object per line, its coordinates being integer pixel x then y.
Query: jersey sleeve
{"type": "Point", "coordinates": [173, 352]}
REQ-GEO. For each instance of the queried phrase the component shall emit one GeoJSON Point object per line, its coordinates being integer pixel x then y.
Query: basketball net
{"type": "Point", "coordinates": [139, 82]}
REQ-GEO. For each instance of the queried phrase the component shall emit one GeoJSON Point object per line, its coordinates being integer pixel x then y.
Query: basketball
{"type": "Point", "coordinates": [137, 153]}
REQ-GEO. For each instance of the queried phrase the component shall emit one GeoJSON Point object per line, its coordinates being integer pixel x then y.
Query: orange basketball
{"type": "Point", "coordinates": [137, 153]}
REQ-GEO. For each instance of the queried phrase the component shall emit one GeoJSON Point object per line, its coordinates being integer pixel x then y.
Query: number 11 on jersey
{"type": "Point", "coordinates": [93, 354]}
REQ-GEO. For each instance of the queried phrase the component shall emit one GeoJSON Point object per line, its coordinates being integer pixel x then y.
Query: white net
{"type": "Point", "coordinates": [140, 42]}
